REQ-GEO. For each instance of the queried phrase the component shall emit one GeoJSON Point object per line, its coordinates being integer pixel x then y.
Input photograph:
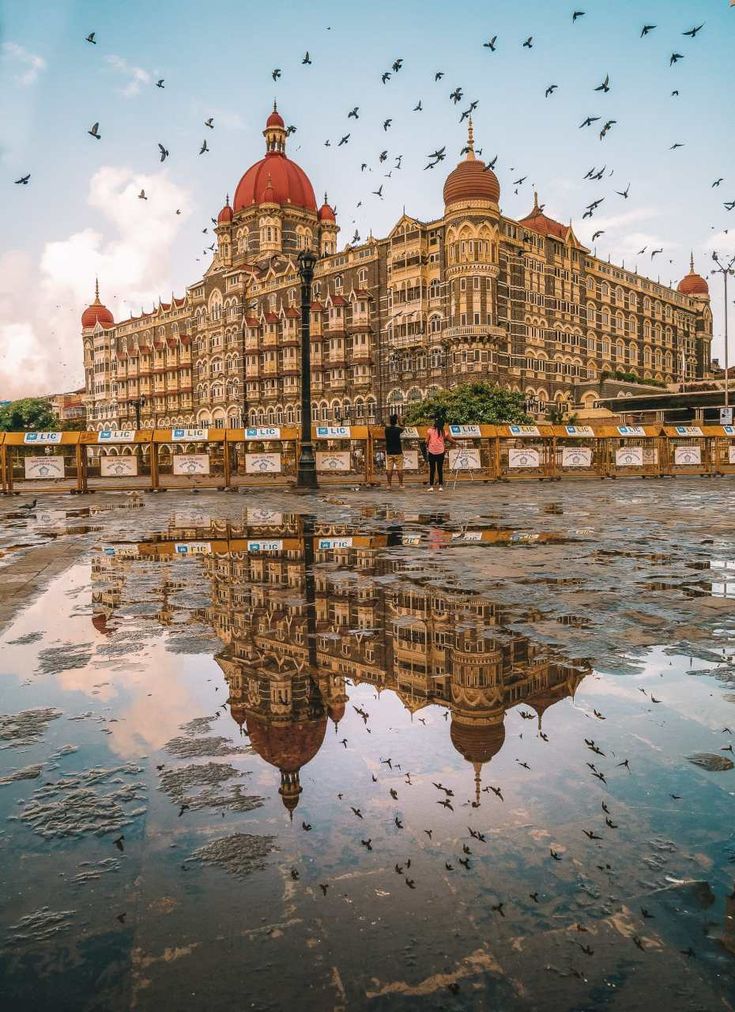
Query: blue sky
{"type": "Point", "coordinates": [80, 214]}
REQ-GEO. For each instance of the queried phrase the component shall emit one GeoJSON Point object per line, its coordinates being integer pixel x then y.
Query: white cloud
{"type": "Point", "coordinates": [40, 304]}
{"type": "Point", "coordinates": [27, 65]}
{"type": "Point", "coordinates": [723, 242]}
{"type": "Point", "coordinates": [136, 76]}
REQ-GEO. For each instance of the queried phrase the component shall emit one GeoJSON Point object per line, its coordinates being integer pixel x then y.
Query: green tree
{"type": "Point", "coordinates": [469, 404]}
{"type": "Point", "coordinates": [28, 414]}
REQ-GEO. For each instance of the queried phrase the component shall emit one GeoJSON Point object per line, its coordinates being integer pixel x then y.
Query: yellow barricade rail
{"type": "Point", "coordinates": [182, 458]}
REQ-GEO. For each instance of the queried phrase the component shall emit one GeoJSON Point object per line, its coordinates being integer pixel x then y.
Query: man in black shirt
{"type": "Point", "coordinates": [393, 451]}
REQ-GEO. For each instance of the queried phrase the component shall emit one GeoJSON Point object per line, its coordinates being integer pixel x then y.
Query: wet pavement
{"type": "Point", "coordinates": [360, 750]}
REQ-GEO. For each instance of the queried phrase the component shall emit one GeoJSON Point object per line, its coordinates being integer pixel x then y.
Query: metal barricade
{"type": "Point", "coordinates": [723, 449]}
{"type": "Point", "coordinates": [578, 452]}
{"type": "Point", "coordinates": [471, 453]}
{"type": "Point", "coordinates": [261, 455]}
{"type": "Point", "coordinates": [525, 451]}
{"type": "Point", "coordinates": [188, 458]}
{"type": "Point", "coordinates": [116, 459]}
{"type": "Point", "coordinates": [42, 462]}
{"type": "Point", "coordinates": [633, 450]}
{"type": "Point", "coordinates": [688, 449]}
{"type": "Point", "coordinates": [342, 452]}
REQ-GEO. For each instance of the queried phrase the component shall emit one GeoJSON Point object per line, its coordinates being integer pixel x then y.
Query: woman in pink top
{"type": "Point", "coordinates": [436, 440]}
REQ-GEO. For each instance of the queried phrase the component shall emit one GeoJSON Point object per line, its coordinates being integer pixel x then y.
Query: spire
{"type": "Point", "coordinates": [227, 200]}
{"type": "Point", "coordinates": [470, 141]}
{"type": "Point", "coordinates": [97, 291]}
{"type": "Point", "coordinates": [275, 107]}
{"type": "Point", "coordinates": [691, 262]}
{"type": "Point", "coordinates": [325, 197]}
{"type": "Point", "coordinates": [536, 208]}
{"type": "Point", "coordinates": [478, 781]}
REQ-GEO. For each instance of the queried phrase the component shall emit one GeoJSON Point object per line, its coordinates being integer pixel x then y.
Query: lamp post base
{"type": "Point", "coordinates": [306, 473]}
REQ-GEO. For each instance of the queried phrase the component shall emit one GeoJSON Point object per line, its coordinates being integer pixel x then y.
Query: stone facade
{"type": "Point", "coordinates": [471, 295]}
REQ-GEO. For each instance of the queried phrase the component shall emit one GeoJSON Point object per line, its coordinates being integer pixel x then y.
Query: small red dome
{"type": "Point", "coordinates": [288, 746]}
{"type": "Point", "coordinates": [693, 283]}
{"type": "Point", "coordinates": [537, 221]}
{"type": "Point", "coordinates": [225, 215]}
{"type": "Point", "coordinates": [97, 313]}
{"type": "Point", "coordinates": [275, 118]}
{"type": "Point", "coordinates": [326, 213]}
{"type": "Point", "coordinates": [477, 742]}
{"type": "Point", "coordinates": [471, 181]}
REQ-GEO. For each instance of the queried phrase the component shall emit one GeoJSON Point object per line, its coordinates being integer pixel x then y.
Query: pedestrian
{"type": "Point", "coordinates": [393, 451]}
{"type": "Point", "coordinates": [436, 440]}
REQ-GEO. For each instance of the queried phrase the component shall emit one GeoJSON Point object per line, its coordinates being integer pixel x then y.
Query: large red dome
{"type": "Point", "coordinates": [275, 179]}
{"type": "Point", "coordinates": [693, 283]}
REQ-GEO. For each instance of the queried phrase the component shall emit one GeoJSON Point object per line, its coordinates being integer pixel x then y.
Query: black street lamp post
{"type": "Point", "coordinates": [138, 404]}
{"type": "Point", "coordinates": [725, 269]}
{"type": "Point", "coordinates": [306, 475]}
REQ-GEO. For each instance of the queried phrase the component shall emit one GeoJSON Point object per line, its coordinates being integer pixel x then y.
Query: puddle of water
{"type": "Point", "coordinates": [372, 762]}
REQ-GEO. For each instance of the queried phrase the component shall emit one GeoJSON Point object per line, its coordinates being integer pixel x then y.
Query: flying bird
{"type": "Point", "coordinates": [353, 113]}
{"type": "Point", "coordinates": [343, 140]}
{"type": "Point", "coordinates": [607, 127]}
{"type": "Point", "coordinates": [577, 14]}
{"type": "Point", "coordinates": [528, 44]}
{"type": "Point", "coordinates": [95, 132]}
{"type": "Point", "coordinates": [456, 95]}
{"type": "Point", "coordinates": [386, 123]}
{"type": "Point", "coordinates": [693, 31]}
{"type": "Point", "coordinates": [23, 181]}
{"type": "Point", "coordinates": [142, 196]}
{"type": "Point", "coordinates": [624, 193]}
{"type": "Point", "coordinates": [379, 191]}
{"type": "Point", "coordinates": [307, 58]}
{"type": "Point", "coordinates": [276, 73]}
{"type": "Point", "coordinates": [209, 122]}
{"type": "Point", "coordinates": [675, 146]}
{"type": "Point", "coordinates": [550, 90]}
{"type": "Point", "coordinates": [589, 121]}
{"type": "Point", "coordinates": [438, 75]}
{"type": "Point", "coordinates": [164, 152]}
{"type": "Point", "coordinates": [675, 57]}
{"type": "Point", "coordinates": [491, 44]}
{"type": "Point", "coordinates": [204, 147]}
{"type": "Point", "coordinates": [159, 83]}
{"type": "Point", "coordinates": [397, 65]}
{"type": "Point", "coordinates": [91, 38]}
{"type": "Point", "coordinates": [605, 86]}
{"type": "Point", "coordinates": [598, 233]}
{"type": "Point", "coordinates": [386, 76]}
{"type": "Point", "coordinates": [646, 29]}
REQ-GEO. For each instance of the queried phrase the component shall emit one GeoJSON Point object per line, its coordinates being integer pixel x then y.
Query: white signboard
{"type": "Point", "coordinates": [631, 430]}
{"type": "Point", "coordinates": [650, 455]}
{"type": "Point", "coordinates": [335, 461]}
{"type": "Point", "coordinates": [266, 545]}
{"type": "Point", "coordinates": [116, 436]}
{"type": "Point", "coordinates": [524, 458]}
{"type": "Point", "coordinates": [334, 543]}
{"type": "Point", "coordinates": [191, 463]}
{"type": "Point", "coordinates": [688, 430]}
{"type": "Point", "coordinates": [464, 460]}
{"type": "Point", "coordinates": [465, 431]}
{"type": "Point", "coordinates": [44, 467]}
{"type": "Point", "coordinates": [629, 456]}
{"type": "Point", "coordinates": [725, 416]}
{"type": "Point", "coordinates": [731, 454]}
{"type": "Point", "coordinates": [41, 438]}
{"type": "Point", "coordinates": [189, 435]}
{"type": "Point", "coordinates": [685, 455]}
{"type": "Point", "coordinates": [524, 430]}
{"type": "Point", "coordinates": [333, 432]}
{"type": "Point", "coordinates": [410, 432]}
{"type": "Point", "coordinates": [118, 467]}
{"type": "Point", "coordinates": [263, 432]}
{"type": "Point", "coordinates": [580, 430]}
{"type": "Point", "coordinates": [193, 548]}
{"type": "Point", "coordinates": [262, 463]}
{"type": "Point", "coordinates": [410, 460]}
{"type": "Point", "coordinates": [121, 551]}
{"type": "Point", "coordinates": [576, 456]}
{"type": "Point", "coordinates": [265, 518]}
{"type": "Point", "coordinates": [729, 430]}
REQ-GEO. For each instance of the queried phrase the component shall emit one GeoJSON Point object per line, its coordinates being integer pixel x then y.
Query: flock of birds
{"type": "Point", "coordinates": [602, 122]}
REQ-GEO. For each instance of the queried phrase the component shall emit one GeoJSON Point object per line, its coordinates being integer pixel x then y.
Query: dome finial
{"type": "Point", "coordinates": [478, 781]}
{"type": "Point", "coordinates": [470, 140]}
{"type": "Point", "coordinates": [691, 262]}
{"type": "Point", "coordinates": [325, 197]}
{"type": "Point", "coordinates": [535, 202]}
{"type": "Point", "coordinates": [275, 107]}
{"type": "Point", "coordinates": [96, 289]}
{"type": "Point", "coordinates": [227, 200]}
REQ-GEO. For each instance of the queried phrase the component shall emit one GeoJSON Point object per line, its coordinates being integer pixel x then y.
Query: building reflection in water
{"type": "Point", "coordinates": [306, 608]}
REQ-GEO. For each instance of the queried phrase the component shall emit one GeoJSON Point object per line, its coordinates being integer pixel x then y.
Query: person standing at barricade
{"type": "Point", "coordinates": [436, 440]}
{"type": "Point", "coordinates": [393, 451]}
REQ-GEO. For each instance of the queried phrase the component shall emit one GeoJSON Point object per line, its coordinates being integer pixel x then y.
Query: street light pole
{"type": "Point", "coordinates": [138, 404]}
{"type": "Point", "coordinates": [725, 270]}
{"type": "Point", "coordinates": [306, 475]}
